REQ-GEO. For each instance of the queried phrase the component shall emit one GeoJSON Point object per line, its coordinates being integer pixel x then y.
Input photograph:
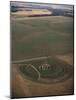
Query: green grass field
{"type": "Point", "coordinates": [43, 36]}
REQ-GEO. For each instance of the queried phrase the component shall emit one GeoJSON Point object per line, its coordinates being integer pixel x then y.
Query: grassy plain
{"type": "Point", "coordinates": [41, 36]}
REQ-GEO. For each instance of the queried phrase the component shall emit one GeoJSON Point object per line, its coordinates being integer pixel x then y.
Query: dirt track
{"type": "Point", "coordinates": [31, 59]}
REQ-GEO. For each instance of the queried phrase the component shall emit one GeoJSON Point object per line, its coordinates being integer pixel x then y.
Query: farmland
{"type": "Point", "coordinates": [41, 36]}
{"type": "Point", "coordinates": [32, 12]}
{"type": "Point", "coordinates": [36, 42]}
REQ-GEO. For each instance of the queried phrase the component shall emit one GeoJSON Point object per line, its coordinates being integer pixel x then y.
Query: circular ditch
{"type": "Point", "coordinates": [51, 71]}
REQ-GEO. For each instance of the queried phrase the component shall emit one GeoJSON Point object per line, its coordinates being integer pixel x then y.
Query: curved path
{"type": "Point", "coordinates": [35, 70]}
